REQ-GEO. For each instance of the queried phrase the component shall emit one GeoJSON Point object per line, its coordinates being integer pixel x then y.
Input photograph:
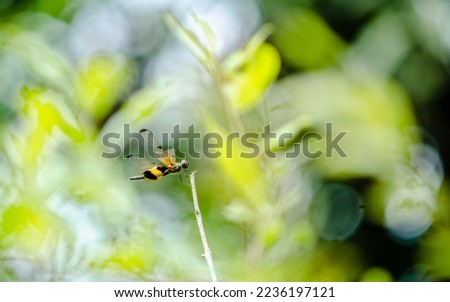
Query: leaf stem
{"type": "Point", "coordinates": [234, 120]}
{"type": "Point", "coordinates": [198, 215]}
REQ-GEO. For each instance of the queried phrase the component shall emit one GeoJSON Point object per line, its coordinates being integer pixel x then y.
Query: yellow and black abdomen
{"type": "Point", "coordinates": [155, 173]}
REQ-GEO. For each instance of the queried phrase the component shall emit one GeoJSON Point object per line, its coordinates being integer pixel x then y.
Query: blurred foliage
{"type": "Point", "coordinates": [72, 72]}
{"type": "Point", "coordinates": [306, 41]}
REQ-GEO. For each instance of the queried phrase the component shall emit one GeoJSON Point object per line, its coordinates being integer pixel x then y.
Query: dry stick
{"type": "Point", "coordinates": [198, 215]}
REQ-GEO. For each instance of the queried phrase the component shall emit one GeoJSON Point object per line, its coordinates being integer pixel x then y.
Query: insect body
{"type": "Point", "coordinates": [158, 171]}
{"type": "Point", "coordinates": [155, 171]}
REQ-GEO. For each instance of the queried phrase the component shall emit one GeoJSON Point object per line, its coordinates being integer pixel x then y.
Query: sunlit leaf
{"type": "Point", "coordinates": [49, 112]}
{"type": "Point", "coordinates": [244, 173]}
{"type": "Point", "coordinates": [245, 87]}
{"type": "Point", "coordinates": [234, 61]}
{"type": "Point", "coordinates": [101, 82]}
{"type": "Point", "coordinates": [28, 225]}
{"type": "Point", "coordinates": [132, 257]}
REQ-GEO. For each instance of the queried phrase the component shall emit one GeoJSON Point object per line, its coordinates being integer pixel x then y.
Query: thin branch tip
{"type": "Point", "coordinates": [198, 216]}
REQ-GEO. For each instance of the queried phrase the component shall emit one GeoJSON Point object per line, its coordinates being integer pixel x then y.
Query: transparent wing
{"type": "Point", "coordinates": [169, 158]}
{"type": "Point", "coordinates": [153, 149]}
{"type": "Point", "coordinates": [141, 164]}
{"type": "Point", "coordinates": [151, 146]}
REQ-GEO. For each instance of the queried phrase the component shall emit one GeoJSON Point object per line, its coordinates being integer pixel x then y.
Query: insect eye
{"type": "Point", "coordinates": [184, 164]}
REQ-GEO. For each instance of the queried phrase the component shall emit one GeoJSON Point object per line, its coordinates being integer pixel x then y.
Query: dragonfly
{"type": "Point", "coordinates": [167, 161]}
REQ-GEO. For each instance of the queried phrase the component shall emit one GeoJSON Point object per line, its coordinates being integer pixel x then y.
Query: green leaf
{"type": "Point", "coordinates": [383, 45]}
{"type": "Point", "coordinates": [49, 67]}
{"type": "Point", "coordinates": [234, 61]}
{"type": "Point", "coordinates": [245, 173]}
{"type": "Point", "coordinates": [434, 253]}
{"type": "Point", "coordinates": [140, 107]}
{"type": "Point", "coordinates": [29, 225]}
{"type": "Point", "coordinates": [295, 126]}
{"type": "Point", "coordinates": [54, 8]}
{"type": "Point", "coordinates": [245, 87]}
{"type": "Point", "coordinates": [191, 41]}
{"type": "Point", "coordinates": [50, 112]}
{"type": "Point", "coordinates": [372, 113]}
{"type": "Point", "coordinates": [7, 114]}
{"type": "Point", "coordinates": [306, 41]}
{"type": "Point", "coordinates": [208, 32]}
{"type": "Point", "coordinates": [142, 104]}
{"type": "Point", "coordinates": [131, 256]}
{"type": "Point", "coordinates": [376, 274]}
{"type": "Point", "coordinates": [101, 82]}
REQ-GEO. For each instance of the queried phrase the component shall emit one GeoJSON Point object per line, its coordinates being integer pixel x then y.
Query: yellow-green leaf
{"type": "Point", "coordinates": [246, 87]}
{"type": "Point", "coordinates": [376, 274]}
{"type": "Point", "coordinates": [245, 173]}
{"type": "Point", "coordinates": [234, 61]}
{"type": "Point", "coordinates": [28, 225]}
{"type": "Point", "coordinates": [434, 253]}
{"type": "Point", "coordinates": [131, 256]}
{"type": "Point", "coordinates": [46, 109]}
{"type": "Point", "coordinates": [101, 82]}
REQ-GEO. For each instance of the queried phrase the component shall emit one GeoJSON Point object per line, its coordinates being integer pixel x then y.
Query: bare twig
{"type": "Point", "coordinates": [198, 215]}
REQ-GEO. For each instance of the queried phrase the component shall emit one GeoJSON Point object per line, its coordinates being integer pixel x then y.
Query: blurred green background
{"type": "Point", "coordinates": [72, 71]}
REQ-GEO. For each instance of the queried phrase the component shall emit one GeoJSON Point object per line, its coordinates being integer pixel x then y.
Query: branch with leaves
{"type": "Point", "coordinates": [242, 79]}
